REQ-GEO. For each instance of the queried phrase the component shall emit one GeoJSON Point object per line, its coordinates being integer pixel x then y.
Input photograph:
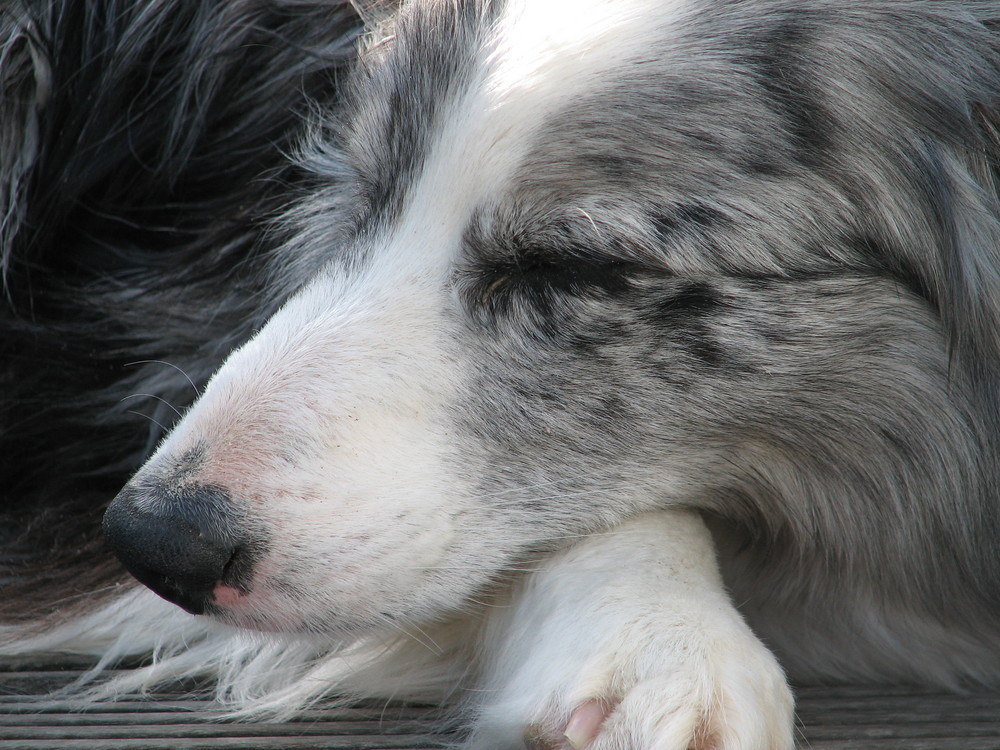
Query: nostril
{"type": "Point", "coordinates": [180, 557]}
{"type": "Point", "coordinates": [237, 571]}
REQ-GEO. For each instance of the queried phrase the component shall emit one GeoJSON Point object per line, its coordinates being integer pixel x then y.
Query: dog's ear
{"type": "Point", "coordinates": [966, 184]}
{"type": "Point", "coordinates": [967, 213]}
{"type": "Point", "coordinates": [939, 227]}
{"type": "Point", "coordinates": [986, 166]}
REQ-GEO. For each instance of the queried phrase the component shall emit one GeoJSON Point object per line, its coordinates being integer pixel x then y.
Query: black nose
{"type": "Point", "coordinates": [179, 542]}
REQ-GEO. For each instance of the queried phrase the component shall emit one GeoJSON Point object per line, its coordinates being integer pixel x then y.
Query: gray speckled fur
{"type": "Point", "coordinates": [784, 287]}
{"type": "Point", "coordinates": [765, 264]}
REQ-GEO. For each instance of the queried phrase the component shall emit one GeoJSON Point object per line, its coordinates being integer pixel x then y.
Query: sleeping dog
{"type": "Point", "coordinates": [593, 367]}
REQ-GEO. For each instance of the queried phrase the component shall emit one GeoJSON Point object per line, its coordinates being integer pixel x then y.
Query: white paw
{"type": "Point", "coordinates": [624, 661]}
{"type": "Point", "coordinates": [720, 698]}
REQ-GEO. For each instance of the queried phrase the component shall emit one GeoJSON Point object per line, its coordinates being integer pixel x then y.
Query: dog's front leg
{"type": "Point", "coordinates": [627, 640]}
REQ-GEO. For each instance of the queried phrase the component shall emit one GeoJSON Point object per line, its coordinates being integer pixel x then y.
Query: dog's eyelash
{"type": "Point", "coordinates": [490, 288]}
{"type": "Point", "coordinates": [535, 273]}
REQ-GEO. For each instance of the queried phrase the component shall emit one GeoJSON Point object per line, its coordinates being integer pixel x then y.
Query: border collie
{"type": "Point", "coordinates": [593, 367]}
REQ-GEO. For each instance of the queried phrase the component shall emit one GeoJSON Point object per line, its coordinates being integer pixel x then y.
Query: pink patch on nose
{"type": "Point", "coordinates": [226, 596]}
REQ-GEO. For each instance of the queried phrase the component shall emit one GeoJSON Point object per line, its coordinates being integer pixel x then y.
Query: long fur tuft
{"type": "Point", "coordinates": [143, 155]}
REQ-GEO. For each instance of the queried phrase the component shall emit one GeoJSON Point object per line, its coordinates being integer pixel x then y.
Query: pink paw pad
{"type": "Point", "coordinates": [585, 722]}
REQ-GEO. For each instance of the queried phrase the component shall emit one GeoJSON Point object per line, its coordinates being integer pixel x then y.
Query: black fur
{"type": "Point", "coordinates": [140, 164]}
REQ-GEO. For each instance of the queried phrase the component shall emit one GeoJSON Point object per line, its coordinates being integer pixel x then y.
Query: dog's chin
{"type": "Point", "coordinates": [258, 610]}
{"type": "Point", "coordinates": [252, 609]}
{"type": "Point", "coordinates": [259, 624]}
{"type": "Point", "coordinates": [274, 623]}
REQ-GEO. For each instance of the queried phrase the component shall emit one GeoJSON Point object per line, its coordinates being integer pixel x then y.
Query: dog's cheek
{"type": "Point", "coordinates": [569, 397]}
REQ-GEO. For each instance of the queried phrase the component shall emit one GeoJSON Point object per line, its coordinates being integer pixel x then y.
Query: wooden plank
{"type": "Point", "coordinates": [127, 704]}
{"type": "Point", "coordinates": [840, 718]}
{"type": "Point", "coordinates": [919, 730]}
{"type": "Point", "coordinates": [916, 712]}
{"type": "Point", "coordinates": [179, 717]}
{"type": "Point", "coordinates": [208, 709]}
{"type": "Point", "coordinates": [961, 743]}
{"type": "Point", "coordinates": [207, 728]}
{"type": "Point", "coordinates": [232, 743]}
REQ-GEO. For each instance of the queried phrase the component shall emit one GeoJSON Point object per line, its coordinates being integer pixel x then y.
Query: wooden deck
{"type": "Point", "coordinates": [828, 719]}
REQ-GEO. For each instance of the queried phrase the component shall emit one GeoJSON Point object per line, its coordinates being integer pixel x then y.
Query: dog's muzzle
{"type": "Point", "coordinates": [180, 542]}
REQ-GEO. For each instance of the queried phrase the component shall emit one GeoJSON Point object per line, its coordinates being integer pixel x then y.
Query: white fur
{"type": "Point", "coordinates": [331, 444]}
{"type": "Point", "coordinates": [554, 51]}
{"type": "Point", "coordinates": [638, 620]}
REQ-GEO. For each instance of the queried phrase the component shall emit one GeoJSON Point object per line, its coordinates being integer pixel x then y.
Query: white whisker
{"type": "Point", "coordinates": [168, 364]}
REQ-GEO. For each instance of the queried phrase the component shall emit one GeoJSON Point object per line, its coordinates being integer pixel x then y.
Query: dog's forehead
{"type": "Point", "coordinates": [453, 126]}
{"type": "Point", "coordinates": [555, 49]}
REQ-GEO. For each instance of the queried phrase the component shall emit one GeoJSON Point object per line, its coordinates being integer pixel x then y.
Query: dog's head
{"type": "Point", "coordinates": [583, 261]}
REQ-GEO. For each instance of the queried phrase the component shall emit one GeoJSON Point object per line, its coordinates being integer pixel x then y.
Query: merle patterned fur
{"type": "Point", "coordinates": [796, 308]}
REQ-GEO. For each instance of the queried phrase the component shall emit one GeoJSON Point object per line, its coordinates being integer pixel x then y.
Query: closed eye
{"type": "Point", "coordinates": [538, 274]}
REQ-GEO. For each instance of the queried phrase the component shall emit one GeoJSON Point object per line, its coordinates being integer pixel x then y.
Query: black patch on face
{"type": "Point", "coordinates": [611, 166]}
{"type": "Point", "coordinates": [791, 90]}
{"type": "Point", "coordinates": [881, 261]}
{"type": "Point", "coordinates": [538, 277]}
{"type": "Point", "coordinates": [763, 166]}
{"type": "Point", "coordinates": [572, 273]}
{"type": "Point", "coordinates": [683, 315]}
{"type": "Point", "coordinates": [708, 352]}
{"type": "Point", "coordinates": [691, 302]}
{"type": "Point", "coordinates": [614, 168]}
{"type": "Point", "coordinates": [423, 68]}
{"type": "Point", "coordinates": [682, 216]}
